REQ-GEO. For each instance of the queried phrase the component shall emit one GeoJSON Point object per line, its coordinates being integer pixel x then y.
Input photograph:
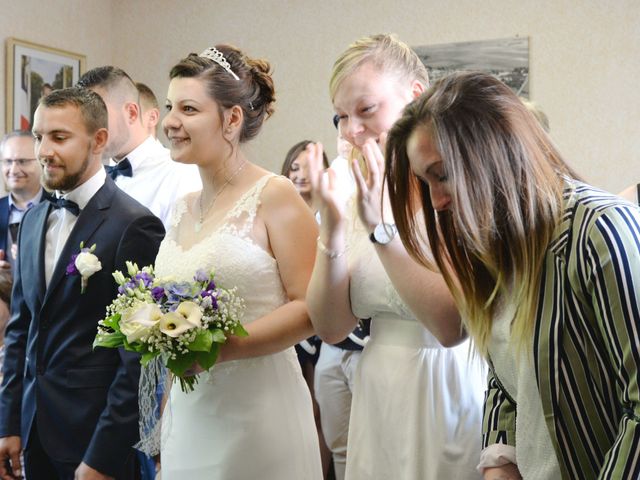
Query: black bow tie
{"type": "Point", "coordinates": [123, 167]}
{"type": "Point", "coordinates": [72, 207]}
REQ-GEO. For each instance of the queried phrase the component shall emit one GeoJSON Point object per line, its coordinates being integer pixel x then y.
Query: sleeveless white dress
{"type": "Point", "coordinates": [250, 418]}
{"type": "Point", "coordinates": [417, 406]}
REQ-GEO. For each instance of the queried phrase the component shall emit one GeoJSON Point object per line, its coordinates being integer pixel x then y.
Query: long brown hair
{"type": "Point", "coordinates": [505, 178]}
{"type": "Point", "coordinates": [293, 153]}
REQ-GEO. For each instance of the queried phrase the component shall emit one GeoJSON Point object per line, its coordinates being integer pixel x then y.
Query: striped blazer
{"type": "Point", "coordinates": [586, 341]}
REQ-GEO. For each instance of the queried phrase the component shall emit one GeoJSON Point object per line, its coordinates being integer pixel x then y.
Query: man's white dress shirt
{"type": "Point", "coordinates": [61, 221]}
{"type": "Point", "coordinates": [157, 181]}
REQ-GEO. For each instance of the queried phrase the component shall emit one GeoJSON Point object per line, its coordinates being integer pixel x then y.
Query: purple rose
{"type": "Point", "coordinates": [71, 268]}
{"type": "Point", "coordinates": [212, 295]}
{"type": "Point", "coordinates": [157, 293]}
{"type": "Point", "coordinates": [201, 276]}
{"type": "Point", "coordinates": [147, 280]}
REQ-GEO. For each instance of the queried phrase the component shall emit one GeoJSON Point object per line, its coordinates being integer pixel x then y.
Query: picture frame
{"type": "Point", "coordinates": [32, 70]}
{"type": "Point", "coordinates": [505, 58]}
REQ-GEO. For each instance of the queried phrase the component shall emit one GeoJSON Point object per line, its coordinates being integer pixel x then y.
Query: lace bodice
{"type": "Point", "coordinates": [230, 250]}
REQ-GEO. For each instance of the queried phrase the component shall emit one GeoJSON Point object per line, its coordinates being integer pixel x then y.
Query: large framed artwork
{"type": "Point", "coordinates": [505, 58]}
{"type": "Point", "coordinates": [33, 71]}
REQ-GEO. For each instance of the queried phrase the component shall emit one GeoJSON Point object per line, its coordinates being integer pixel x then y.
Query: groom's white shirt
{"type": "Point", "coordinates": [61, 221]}
{"type": "Point", "coordinates": [157, 181]}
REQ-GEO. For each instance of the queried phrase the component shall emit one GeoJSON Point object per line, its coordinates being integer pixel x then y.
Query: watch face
{"type": "Point", "coordinates": [384, 233]}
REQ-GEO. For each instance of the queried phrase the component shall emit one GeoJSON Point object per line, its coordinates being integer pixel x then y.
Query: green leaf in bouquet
{"type": "Point", "coordinates": [239, 331]}
{"type": "Point", "coordinates": [218, 335]}
{"type": "Point", "coordinates": [181, 363]}
{"type": "Point", "coordinates": [113, 321]}
{"type": "Point", "coordinates": [208, 359]}
{"type": "Point", "coordinates": [148, 356]}
{"type": "Point", "coordinates": [202, 343]}
{"type": "Point", "coordinates": [109, 340]}
{"type": "Point", "coordinates": [135, 347]}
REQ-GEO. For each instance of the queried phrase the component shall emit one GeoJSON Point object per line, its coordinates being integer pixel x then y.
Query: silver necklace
{"type": "Point", "coordinates": [203, 212]}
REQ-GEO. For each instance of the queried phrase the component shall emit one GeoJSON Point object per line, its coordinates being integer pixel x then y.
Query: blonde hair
{"type": "Point", "coordinates": [505, 178]}
{"type": "Point", "coordinates": [386, 53]}
{"type": "Point", "coordinates": [537, 112]}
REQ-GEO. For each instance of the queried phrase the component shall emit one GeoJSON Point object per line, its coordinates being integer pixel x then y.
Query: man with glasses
{"type": "Point", "coordinates": [21, 173]}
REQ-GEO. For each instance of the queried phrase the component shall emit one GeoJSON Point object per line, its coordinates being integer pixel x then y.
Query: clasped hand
{"type": "Point", "coordinates": [10, 451]}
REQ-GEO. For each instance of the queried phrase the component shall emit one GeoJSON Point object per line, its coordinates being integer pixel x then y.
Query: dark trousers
{"type": "Point", "coordinates": [38, 465]}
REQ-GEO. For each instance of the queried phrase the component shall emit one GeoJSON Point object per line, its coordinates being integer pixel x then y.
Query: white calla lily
{"type": "Point", "coordinates": [187, 316]}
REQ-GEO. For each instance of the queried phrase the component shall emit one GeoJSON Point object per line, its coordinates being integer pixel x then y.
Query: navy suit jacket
{"type": "Point", "coordinates": [4, 219]}
{"type": "Point", "coordinates": [84, 401]}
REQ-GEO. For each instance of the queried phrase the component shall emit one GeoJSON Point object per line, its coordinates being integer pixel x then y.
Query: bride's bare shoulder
{"type": "Point", "coordinates": [280, 190]}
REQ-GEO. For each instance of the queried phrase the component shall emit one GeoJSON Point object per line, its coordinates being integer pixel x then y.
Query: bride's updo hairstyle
{"type": "Point", "coordinates": [233, 78]}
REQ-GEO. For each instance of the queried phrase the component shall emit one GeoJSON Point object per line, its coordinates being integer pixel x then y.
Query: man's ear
{"type": "Point", "coordinates": [154, 117]}
{"type": "Point", "coordinates": [132, 111]}
{"type": "Point", "coordinates": [100, 139]}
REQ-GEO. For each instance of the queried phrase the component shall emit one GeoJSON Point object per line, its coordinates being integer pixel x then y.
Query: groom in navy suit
{"type": "Point", "coordinates": [72, 410]}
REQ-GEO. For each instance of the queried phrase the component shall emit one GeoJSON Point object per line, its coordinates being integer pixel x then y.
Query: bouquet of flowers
{"type": "Point", "coordinates": [181, 323]}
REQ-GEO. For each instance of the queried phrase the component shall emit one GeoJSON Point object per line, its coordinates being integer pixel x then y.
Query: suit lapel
{"type": "Point", "coordinates": [89, 220]}
{"type": "Point", "coordinates": [31, 247]}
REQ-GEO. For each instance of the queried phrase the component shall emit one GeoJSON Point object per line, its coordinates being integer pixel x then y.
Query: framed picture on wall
{"type": "Point", "coordinates": [34, 71]}
{"type": "Point", "coordinates": [504, 58]}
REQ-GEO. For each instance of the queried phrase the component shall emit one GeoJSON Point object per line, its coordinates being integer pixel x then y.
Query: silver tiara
{"type": "Point", "coordinates": [212, 53]}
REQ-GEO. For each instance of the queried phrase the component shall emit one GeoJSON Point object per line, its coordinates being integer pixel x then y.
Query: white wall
{"type": "Point", "coordinates": [584, 57]}
{"type": "Point", "coordinates": [82, 26]}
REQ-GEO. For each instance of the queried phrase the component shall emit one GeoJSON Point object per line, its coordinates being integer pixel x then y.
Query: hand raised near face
{"type": "Point", "coordinates": [327, 197]}
{"type": "Point", "coordinates": [369, 182]}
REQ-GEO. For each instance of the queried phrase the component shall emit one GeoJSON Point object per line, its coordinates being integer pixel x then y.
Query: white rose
{"type": "Point", "coordinates": [136, 322]}
{"type": "Point", "coordinates": [187, 316]}
{"type": "Point", "coordinates": [87, 264]}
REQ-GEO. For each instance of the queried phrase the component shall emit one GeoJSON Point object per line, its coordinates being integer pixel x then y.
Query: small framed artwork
{"type": "Point", "coordinates": [34, 71]}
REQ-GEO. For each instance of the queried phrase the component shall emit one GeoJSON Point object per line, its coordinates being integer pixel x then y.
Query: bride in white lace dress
{"type": "Point", "coordinates": [250, 416]}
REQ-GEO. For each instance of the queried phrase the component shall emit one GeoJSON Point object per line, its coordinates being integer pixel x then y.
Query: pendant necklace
{"type": "Point", "coordinates": [203, 212]}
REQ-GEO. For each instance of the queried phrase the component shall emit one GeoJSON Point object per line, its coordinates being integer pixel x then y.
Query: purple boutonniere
{"type": "Point", "coordinates": [85, 264]}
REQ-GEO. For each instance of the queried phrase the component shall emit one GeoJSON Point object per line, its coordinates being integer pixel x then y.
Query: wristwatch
{"type": "Point", "coordinates": [383, 233]}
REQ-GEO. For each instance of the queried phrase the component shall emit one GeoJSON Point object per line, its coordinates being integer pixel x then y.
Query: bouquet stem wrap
{"type": "Point", "coordinates": [154, 384]}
